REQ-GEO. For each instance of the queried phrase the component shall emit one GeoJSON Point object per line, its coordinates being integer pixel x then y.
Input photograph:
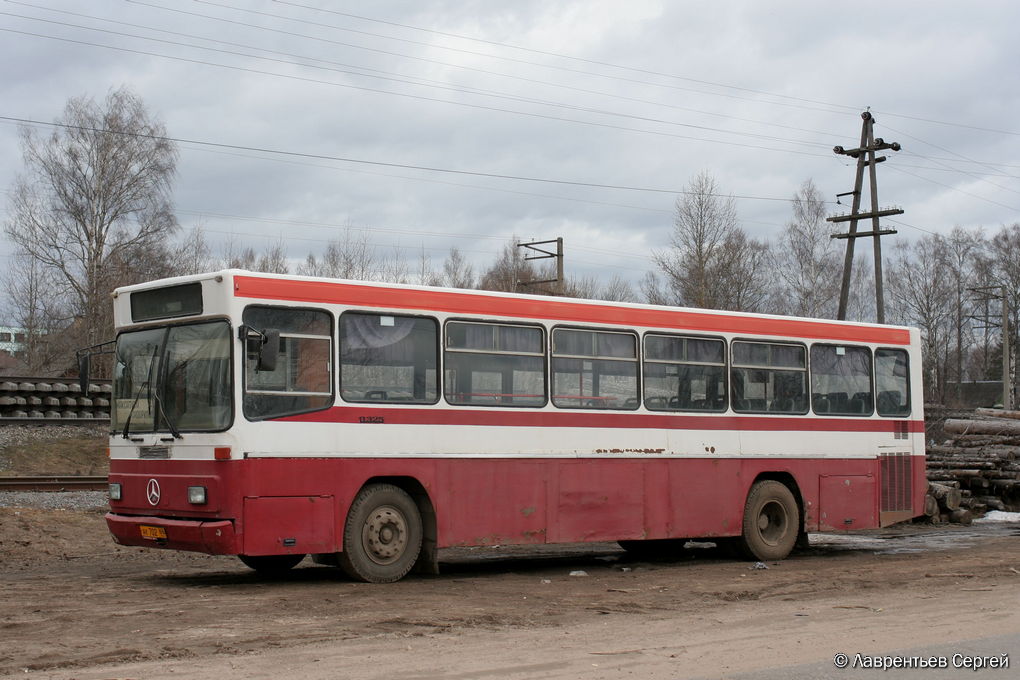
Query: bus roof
{"type": "Point", "coordinates": [458, 301]}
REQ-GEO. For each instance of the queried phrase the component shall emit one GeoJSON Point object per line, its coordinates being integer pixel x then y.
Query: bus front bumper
{"type": "Point", "coordinates": [215, 537]}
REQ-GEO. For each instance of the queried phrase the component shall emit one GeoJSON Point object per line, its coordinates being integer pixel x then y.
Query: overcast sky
{"type": "Point", "coordinates": [641, 94]}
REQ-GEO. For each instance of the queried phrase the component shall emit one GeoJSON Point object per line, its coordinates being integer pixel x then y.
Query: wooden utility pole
{"type": "Point", "coordinates": [865, 155]}
{"type": "Point", "coordinates": [534, 246]}
{"type": "Point", "coordinates": [988, 293]}
{"type": "Point", "coordinates": [1007, 374]}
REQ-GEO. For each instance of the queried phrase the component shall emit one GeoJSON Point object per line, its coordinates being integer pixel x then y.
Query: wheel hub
{"type": "Point", "coordinates": [385, 535]}
{"type": "Point", "coordinates": [772, 522]}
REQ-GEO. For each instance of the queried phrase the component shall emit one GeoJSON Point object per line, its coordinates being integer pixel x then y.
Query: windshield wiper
{"type": "Point", "coordinates": [153, 396]}
{"type": "Point", "coordinates": [169, 423]}
{"type": "Point", "coordinates": [127, 423]}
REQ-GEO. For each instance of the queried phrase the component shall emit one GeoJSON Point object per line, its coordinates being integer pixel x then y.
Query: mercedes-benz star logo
{"type": "Point", "coordinates": [152, 492]}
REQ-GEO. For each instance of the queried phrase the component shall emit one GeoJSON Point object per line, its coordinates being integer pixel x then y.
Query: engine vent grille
{"type": "Point", "coordinates": [897, 480]}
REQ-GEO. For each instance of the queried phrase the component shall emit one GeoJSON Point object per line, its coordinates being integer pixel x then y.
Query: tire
{"type": "Point", "coordinates": [382, 535]}
{"type": "Point", "coordinates": [656, 548]}
{"type": "Point", "coordinates": [771, 522]}
{"type": "Point", "coordinates": [271, 565]}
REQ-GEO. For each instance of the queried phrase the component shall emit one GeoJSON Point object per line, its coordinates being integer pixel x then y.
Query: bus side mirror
{"type": "Point", "coordinates": [83, 373]}
{"type": "Point", "coordinates": [261, 346]}
{"type": "Point", "coordinates": [270, 350]}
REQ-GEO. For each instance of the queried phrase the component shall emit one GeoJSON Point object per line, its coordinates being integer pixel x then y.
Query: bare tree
{"type": "Point", "coordinates": [743, 272]}
{"type": "Point", "coordinates": [617, 290]}
{"type": "Point", "coordinates": [348, 257]}
{"type": "Point", "coordinates": [457, 271]}
{"type": "Point", "coordinates": [193, 255]}
{"type": "Point", "coordinates": [808, 260]}
{"type": "Point", "coordinates": [922, 296]}
{"type": "Point", "coordinates": [39, 313]}
{"type": "Point", "coordinates": [393, 269]}
{"type": "Point", "coordinates": [961, 254]}
{"type": "Point", "coordinates": [586, 287]}
{"type": "Point", "coordinates": [861, 300]}
{"type": "Point", "coordinates": [702, 219]}
{"type": "Point", "coordinates": [510, 271]}
{"type": "Point", "coordinates": [652, 289]}
{"type": "Point", "coordinates": [96, 187]}
{"type": "Point", "coordinates": [237, 257]}
{"type": "Point", "coordinates": [273, 260]}
{"type": "Point", "coordinates": [1004, 253]}
{"type": "Point", "coordinates": [426, 276]}
{"type": "Point", "coordinates": [711, 261]}
{"type": "Point", "coordinates": [982, 365]}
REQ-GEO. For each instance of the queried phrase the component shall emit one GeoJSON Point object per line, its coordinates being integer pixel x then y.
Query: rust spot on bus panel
{"type": "Point", "coordinates": [527, 511]}
{"type": "Point", "coordinates": [630, 450]}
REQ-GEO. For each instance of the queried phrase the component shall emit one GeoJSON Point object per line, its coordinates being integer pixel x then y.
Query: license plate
{"type": "Point", "coordinates": [154, 533]}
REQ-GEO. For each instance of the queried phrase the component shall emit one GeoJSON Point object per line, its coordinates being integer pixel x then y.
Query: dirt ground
{"type": "Point", "coordinates": [50, 451]}
{"type": "Point", "coordinates": [74, 605]}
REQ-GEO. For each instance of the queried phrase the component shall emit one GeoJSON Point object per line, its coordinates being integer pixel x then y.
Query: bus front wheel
{"type": "Point", "coordinates": [771, 521]}
{"type": "Point", "coordinates": [382, 535]}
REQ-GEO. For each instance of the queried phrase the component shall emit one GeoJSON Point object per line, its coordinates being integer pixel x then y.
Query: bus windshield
{"type": "Point", "coordinates": [173, 379]}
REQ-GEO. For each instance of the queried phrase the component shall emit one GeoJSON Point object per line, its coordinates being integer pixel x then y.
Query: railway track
{"type": "Point", "coordinates": [75, 483]}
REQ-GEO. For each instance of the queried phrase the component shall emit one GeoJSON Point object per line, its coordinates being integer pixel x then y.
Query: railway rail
{"type": "Point", "coordinates": [44, 483]}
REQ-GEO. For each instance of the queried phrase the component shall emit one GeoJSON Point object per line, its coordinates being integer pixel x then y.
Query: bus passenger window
{"type": "Point", "coordinates": [303, 378]}
{"type": "Point", "coordinates": [684, 373]}
{"type": "Point", "coordinates": [769, 378]}
{"type": "Point", "coordinates": [594, 369]}
{"type": "Point", "coordinates": [388, 358]}
{"type": "Point", "coordinates": [892, 377]}
{"type": "Point", "coordinates": [491, 364]}
{"type": "Point", "coordinates": [841, 380]}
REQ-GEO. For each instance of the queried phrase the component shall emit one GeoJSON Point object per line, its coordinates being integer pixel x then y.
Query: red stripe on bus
{"type": "Point", "coordinates": [529, 418]}
{"type": "Point", "coordinates": [323, 292]}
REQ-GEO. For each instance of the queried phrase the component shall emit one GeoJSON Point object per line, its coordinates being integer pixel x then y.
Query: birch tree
{"type": "Point", "coordinates": [711, 262]}
{"type": "Point", "coordinates": [808, 260]}
{"type": "Point", "coordinates": [92, 190]}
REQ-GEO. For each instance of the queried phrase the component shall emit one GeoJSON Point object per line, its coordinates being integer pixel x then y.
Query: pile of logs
{"type": "Point", "coordinates": [945, 503]}
{"type": "Point", "coordinates": [977, 469]}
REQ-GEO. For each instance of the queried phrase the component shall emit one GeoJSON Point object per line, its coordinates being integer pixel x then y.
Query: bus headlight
{"type": "Point", "coordinates": [196, 495]}
{"type": "Point", "coordinates": [114, 491]}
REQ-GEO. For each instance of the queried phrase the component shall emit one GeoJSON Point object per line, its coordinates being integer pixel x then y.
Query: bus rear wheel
{"type": "Point", "coordinates": [271, 565]}
{"type": "Point", "coordinates": [771, 522]}
{"type": "Point", "coordinates": [382, 535]}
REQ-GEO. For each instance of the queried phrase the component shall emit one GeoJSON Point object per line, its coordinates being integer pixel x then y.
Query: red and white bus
{"type": "Point", "coordinates": [371, 424]}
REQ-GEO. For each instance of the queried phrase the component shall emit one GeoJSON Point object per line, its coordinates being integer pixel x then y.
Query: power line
{"type": "Point", "coordinates": [459, 66]}
{"type": "Point", "coordinates": [425, 82]}
{"type": "Point", "coordinates": [387, 230]}
{"type": "Point", "coordinates": [452, 65]}
{"type": "Point", "coordinates": [559, 55]}
{"type": "Point", "coordinates": [961, 157]}
{"type": "Point", "coordinates": [911, 226]}
{"type": "Point", "coordinates": [950, 124]}
{"type": "Point", "coordinates": [410, 96]}
{"type": "Point", "coordinates": [407, 81]}
{"type": "Point", "coordinates": [952, 188]}
{"type": "Point", "coordinates": [948, 168]}
{"type": "Point", "coordinates": [989, 164]}
{"type": "Point", "coordinates": [343, 159]}
{"type": "Point", "coordinates": [399, 247]}
{"type": "Point", "coordinates": [600, 63]}
{"type": "Point", "coordinates": [800, 101]}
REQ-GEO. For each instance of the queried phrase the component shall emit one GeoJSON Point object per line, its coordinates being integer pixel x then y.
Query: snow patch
{"type": "Point", "coordinates": [999, 516]}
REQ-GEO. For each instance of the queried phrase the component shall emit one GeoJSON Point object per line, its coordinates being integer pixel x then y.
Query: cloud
{"type": "Point", "coordinates": [761, 94]}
